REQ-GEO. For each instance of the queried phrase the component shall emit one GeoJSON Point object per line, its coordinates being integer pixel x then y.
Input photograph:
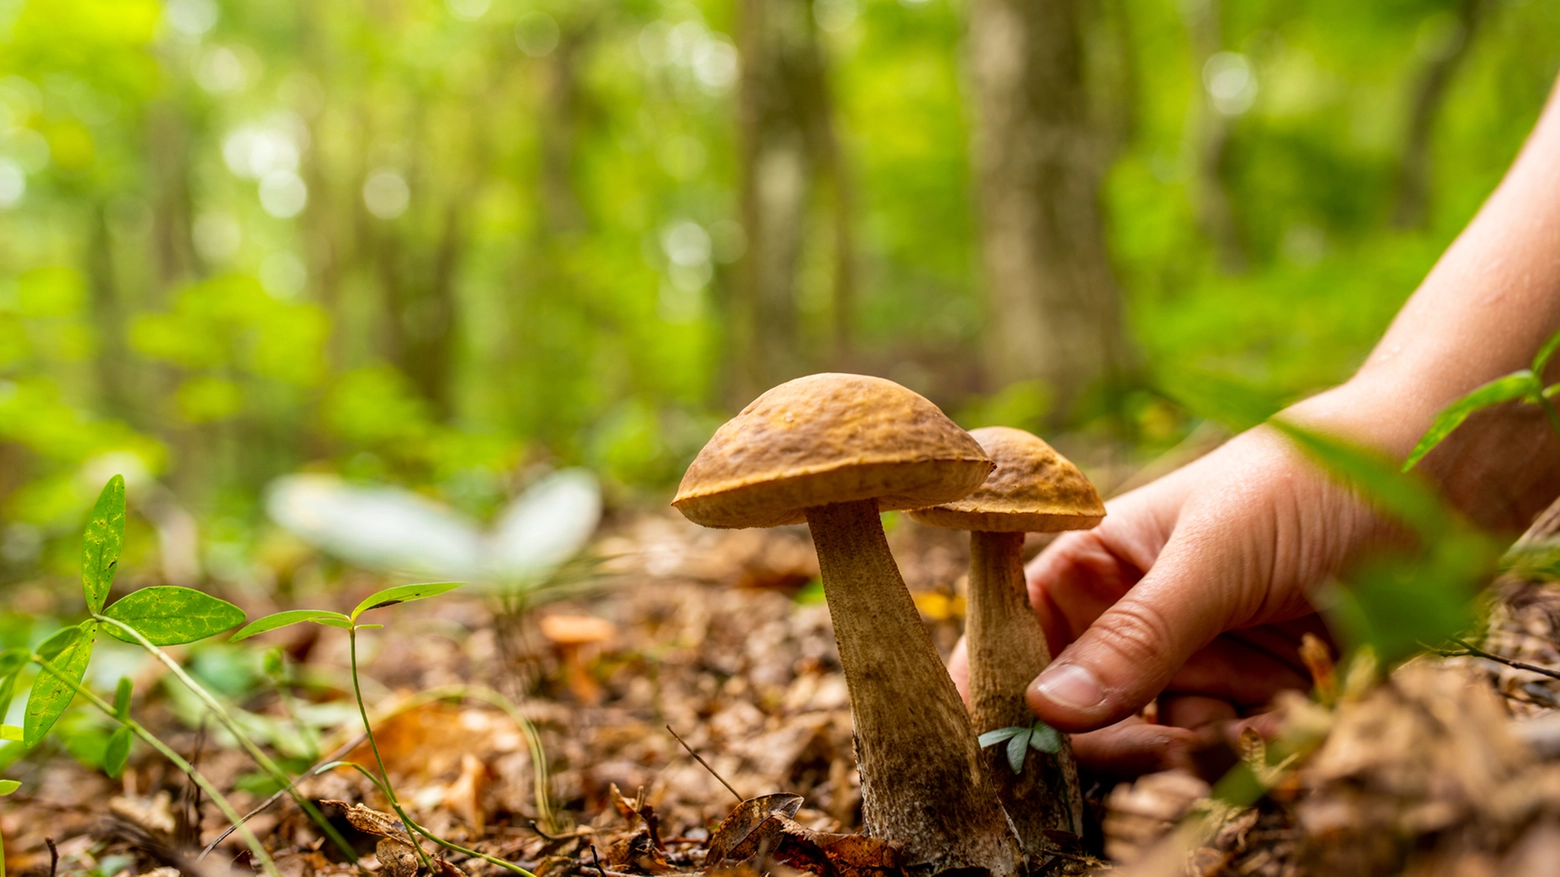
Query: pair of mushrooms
{"type": "Point", "coordinates": [835, 450]}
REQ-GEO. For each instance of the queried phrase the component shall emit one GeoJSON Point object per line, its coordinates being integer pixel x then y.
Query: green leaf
{"type": "Point", "coordinates": [1398, 605]}
{"type": "Point", "coordinates": [1516, 385]}
{"type": "Point", "coordinates": [1227, 400]}
{"type": "Point", "coordinates": [279, 620]}
{"type": "Point", "coordinates": [101, 544]}
{"type": "Point", "coordinates": [1405, 498]}
{"type": "Point", "coordinates": [403, 594]}
{"type": "Point", "coordinates": [10, 733]}
{"type": "Point", "coordinates": [11, 663]}
{"type": "Point", "coordinates": [171, 616]}
{"type": "Point", "coordinates": [1544, 353]}
{"type": "Point", "coordinates": [1045, 738]}
{"type": "Point", "coordinates": [122, 697]}
{"type": "Point", "coordinates": [992, 738]}
{"type": "Point", "coordinates": [1017, 748]}
{"type": "Point", "coordinates": [66, 654]}
{"type": "Point", "coordinates": [13, 660]}
{"type": "Point", "coordinates": [9, 786]}
{"type": "Point", "coordinates": [118, 752]}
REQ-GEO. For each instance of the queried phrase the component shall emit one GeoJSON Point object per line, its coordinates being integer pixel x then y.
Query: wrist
{"type": "Point", "coordinates": [1501, 467]}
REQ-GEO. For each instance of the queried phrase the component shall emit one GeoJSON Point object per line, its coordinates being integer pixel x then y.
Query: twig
{"type": "Point", "coordinates": [54, 856]}
{"type": "Point", "coordinates": [706, 764]}
{"type": "Point", "coordinates": [1470, 650]}
{"type": "Point", "coordinates": [276, 796]}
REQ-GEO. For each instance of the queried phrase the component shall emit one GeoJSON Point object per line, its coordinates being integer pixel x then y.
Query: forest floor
{"type": "Point", "coordinates": [719, 637]}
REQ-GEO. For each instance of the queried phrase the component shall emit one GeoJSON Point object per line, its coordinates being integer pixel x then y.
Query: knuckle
{"type": "Point", "coordinates": [1137, 632]}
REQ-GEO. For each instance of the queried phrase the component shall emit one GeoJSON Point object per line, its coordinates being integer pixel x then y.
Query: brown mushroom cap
{"type": "Point", "coordinates": [1034, 490]}
{"type": "Point", "coordinates": [824, 439]}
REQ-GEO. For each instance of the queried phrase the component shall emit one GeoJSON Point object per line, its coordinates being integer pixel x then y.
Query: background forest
{"type": "Point", "coordinates": [450, 244]}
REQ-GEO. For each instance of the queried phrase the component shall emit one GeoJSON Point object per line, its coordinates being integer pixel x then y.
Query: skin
{"type": "Point", "coordinates": [1195, 589]}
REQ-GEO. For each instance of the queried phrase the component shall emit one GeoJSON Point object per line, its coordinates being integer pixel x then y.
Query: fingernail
{"type": "Point", "coordinates": [1070, 685]}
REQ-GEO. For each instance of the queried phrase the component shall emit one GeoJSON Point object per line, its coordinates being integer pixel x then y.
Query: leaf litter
{"type": "Point", "coordinates": [1446, 767]}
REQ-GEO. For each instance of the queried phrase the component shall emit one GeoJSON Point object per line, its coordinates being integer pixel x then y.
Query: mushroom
{"type": "Point", "coordinates": [834, 450]}
{"type": "Point", "coordinates": [576, 639]}
{"type": "Point", "coordinates": [1033, 490]}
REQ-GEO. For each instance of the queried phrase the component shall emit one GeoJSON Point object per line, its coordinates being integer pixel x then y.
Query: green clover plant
{"type": "Point", "coordinates": [1022, 738]}
{"type": "Point", "coordinates": [153, 616]}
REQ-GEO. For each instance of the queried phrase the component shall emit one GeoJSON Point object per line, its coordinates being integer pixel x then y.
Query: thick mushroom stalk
{"type": "Point", "coordinates": [833, 450]}
{"type": "Point", "coordinates": [1034, 489]}
{"type": "Point", "coordinates": [1007, 650]}
{"type": "Point", "coordinates": [921, 776]}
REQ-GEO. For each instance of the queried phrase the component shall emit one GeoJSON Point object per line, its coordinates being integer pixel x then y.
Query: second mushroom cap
{"type": "Point", "coordinates": [1033, 490]}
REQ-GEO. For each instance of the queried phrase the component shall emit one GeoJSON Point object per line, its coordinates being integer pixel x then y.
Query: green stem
{"type": "Point", "coordinates": [368, 729]}
{"type": "Point", "coordinates": [136, 728]}
{"type": "Point", "coordinates": [545, 812]}
{"type": "Point", "coordinates": [533, 741]}
{"type": "Point", "coordinates": [412, 825]}
{"type": "Point", "coordinates": [226, 720]}
{"type": "Point", "coordinates": [1549, 409]}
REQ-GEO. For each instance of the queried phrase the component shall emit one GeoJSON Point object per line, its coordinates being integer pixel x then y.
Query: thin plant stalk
{"type": "Point", "coordinates": [228, 812]}
{"type": "Point", "coordinates": [1549, 410]}
{"type": "Point", "coordinates": [226, 720]}
{"type": "Point", "coordinates": [547, 816]}
{"type": "Point", "coordinates": [368, 729]}
{"type": "Point", "coordinates": [533, 740]}
{"type": "Point", "coordinates": [412, 825]}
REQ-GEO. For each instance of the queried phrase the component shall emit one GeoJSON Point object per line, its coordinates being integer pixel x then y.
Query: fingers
{"type": "Point", "coordinates": [1135, 747]}
{"type": "Point", "coordinates": [1131, 651]}
{"type": "Point", "coordinates": [1237, 672]}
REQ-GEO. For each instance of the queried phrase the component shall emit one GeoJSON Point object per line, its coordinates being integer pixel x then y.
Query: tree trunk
{"type": "Point", "coordinates": [779, 58]}
{"type": "Point", "coordinates": [112, 361]}
{"type": "Point", "coordinates": [1215, 205]}
{"type": "Point", "coordinates": [1054, 309]}
{"type": "Point", "coordinates": [1411, 205]}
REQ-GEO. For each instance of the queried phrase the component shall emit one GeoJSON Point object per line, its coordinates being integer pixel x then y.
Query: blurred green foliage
{"type": "Point", "coordinates": [436, 241]}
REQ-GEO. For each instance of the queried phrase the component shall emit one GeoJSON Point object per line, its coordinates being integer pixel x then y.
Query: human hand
{"type": "Point", "coordinates": [1194, 589]}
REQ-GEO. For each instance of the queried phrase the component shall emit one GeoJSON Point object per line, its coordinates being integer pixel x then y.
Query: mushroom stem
{"type": "Point", "coordinates": [921, 777]}
{"type": "Point", "coordinates": [1007, 651]}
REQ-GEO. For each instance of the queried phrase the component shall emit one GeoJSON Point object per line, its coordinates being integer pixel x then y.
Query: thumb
{"type": "Point", "coordinates": [1129, 653]}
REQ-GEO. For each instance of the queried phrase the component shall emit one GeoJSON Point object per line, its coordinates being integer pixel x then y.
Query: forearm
{"type": "Point", "coordinates": [1483, 311]}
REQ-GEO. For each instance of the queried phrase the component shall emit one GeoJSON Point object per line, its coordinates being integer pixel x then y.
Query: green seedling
{"type": "Point", "coordinates": [1526, 386]}
{"type": "Point", "coordinates": [152, 618]}
{"type": "Point", "coordinates": [1022, 738]}
{"type": "Point", "coordinates": [350, 623]}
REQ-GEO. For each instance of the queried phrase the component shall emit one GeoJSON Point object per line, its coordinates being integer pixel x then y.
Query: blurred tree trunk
{"type": "Point", "coordinates": [421, 310]}
{"type": "Point", "coordinates": [1215, 205]}
{"type": "Point", "coordinates": [111, 362]}
{"type": "Point", "coordinates": [786, 139]}
{"type": "Point", "coordinates": [168, 151]}
{"type": "Point", "coordinates": [1054, 308]}
{"type": "Point", "coordinates": [1411, 204]}
{"type": "Point", "coordinates": [566, 103]}
{"type": "Point", "coordinates": [834, 164]}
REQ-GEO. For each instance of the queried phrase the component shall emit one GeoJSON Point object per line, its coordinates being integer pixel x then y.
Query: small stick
{"type": "Point", "coordinates": [1470, 650]}
{"type": "Point", "coordinates": [706, 764]}
{"type": "Point", "coordinates": [54, 856]}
